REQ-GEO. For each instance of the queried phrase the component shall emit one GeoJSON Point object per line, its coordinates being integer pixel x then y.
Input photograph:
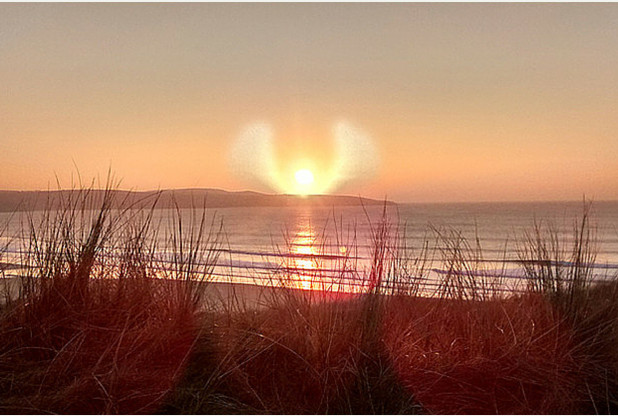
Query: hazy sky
{"type": "Point", "coordinates": [463, 102]}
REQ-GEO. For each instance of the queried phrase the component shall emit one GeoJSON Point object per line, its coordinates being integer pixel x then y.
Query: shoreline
{"type": "Point", "coordinates": [219, 295]}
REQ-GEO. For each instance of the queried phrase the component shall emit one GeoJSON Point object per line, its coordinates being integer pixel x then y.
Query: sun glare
{"type": "Point", "coordinates": [304, 177]}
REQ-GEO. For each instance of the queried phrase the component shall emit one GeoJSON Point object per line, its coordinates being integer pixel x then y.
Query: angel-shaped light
{"type": "Point", "coordinates": [252, 157]}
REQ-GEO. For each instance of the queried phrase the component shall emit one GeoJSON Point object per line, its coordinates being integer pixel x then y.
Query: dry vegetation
{"type": "Point", "coordinates": [104, 326]}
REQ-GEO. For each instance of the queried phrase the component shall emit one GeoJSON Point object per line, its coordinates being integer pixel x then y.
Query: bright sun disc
{"type": "Point", "coordinates": [304, 177]}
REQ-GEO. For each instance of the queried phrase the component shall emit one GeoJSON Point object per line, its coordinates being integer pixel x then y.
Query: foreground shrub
{"type": "Point", "coordinates": [300, 355]}
{"type": "Point", "coordinates": [503, 356]}
{"type": "Point", "coordinates": [99, 329]}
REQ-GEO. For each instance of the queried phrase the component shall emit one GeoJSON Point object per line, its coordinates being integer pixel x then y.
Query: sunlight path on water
{"type": "Point", "coordinates": [305, 263]}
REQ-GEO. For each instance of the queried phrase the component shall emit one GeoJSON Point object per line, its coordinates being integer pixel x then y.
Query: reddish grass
{"type": "Point", "coordinates": [120, 354]}
{"type": "Point", "coordinates": [295, 358]}
{"type": "Point", "coordinates": [94, 333]}
{"type": "Point", "coordinates": [502, 356]}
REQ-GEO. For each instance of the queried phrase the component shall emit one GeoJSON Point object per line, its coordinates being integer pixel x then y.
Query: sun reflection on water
{"type": "Point", "coordinates": [304, 264]}
{"type": "Point", "coordinates": [312, 265]}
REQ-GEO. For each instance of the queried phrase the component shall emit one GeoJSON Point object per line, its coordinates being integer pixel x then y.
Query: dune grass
{"type": "Point", "coordinates": [104, 325]}
{"type": "Point", "coordinates": [97, 328]}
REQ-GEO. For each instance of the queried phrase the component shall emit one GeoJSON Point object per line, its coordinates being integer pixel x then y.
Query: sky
{"type": "Point", "coordinates": [452, 102]}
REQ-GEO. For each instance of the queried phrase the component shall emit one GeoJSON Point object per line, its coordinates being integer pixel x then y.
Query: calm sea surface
{"type": "Point", "coordinates": [314, 247]}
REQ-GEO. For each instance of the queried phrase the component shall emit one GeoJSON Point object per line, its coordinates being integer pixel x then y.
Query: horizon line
{"type": "Point", "coordinates": [385, 198]}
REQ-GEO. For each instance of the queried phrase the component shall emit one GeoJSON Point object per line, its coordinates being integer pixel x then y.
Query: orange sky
{"type": "Point", "coordinates": [463, 102]}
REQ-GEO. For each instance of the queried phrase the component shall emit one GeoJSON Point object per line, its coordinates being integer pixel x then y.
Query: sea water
{"type": "Point", "coordinates": [334, 248]}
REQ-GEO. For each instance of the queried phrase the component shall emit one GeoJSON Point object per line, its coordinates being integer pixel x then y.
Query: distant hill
{"type": "Point", "coordinates": [184, 198]}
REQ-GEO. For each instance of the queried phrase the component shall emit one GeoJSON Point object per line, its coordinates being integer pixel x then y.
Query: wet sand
{"type": "Point", "coordinates": [218, 295]}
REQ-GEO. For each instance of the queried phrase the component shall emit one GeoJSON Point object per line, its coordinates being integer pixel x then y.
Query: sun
{"type": "Point", "coordinates": [304, 177]}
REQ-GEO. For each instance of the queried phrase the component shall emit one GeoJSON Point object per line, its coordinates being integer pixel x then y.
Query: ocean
{"type": "Point", "coordinates": [334, 248]}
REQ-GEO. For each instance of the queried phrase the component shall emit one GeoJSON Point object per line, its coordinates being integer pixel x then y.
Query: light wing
{"type": "Point", "coordinates": [252, 156]}
{"type": "Point", "coordinates": [356, 157]}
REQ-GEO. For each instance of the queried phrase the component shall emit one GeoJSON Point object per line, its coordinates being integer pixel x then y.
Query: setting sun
{"type": "Point", "coordinates": [304, 177]}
